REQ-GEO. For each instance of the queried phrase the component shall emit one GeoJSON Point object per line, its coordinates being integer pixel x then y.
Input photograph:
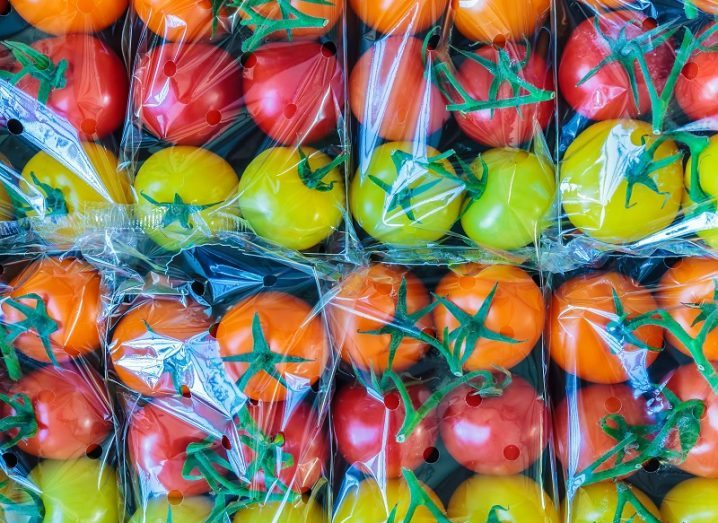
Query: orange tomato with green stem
{"type": "Point", "coordinates": [70, 16]}
{"type": "Point", "coordinates": [399, 16]}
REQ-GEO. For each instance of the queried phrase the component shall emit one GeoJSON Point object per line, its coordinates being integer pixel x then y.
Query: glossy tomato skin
{"type": "Point", "coordinates": [179, 20]}
{"type": "Point", "coordinates": [580, 440]}
{"type": "Point", "coordinates": [391, 94]}
{"type": "Point", "coordinates": [190, 510]}
{"type": "Point", "coordinates": [707, 164]}
{"type": "Point", "coordinates": [330, 12]}
{"type": "Point", "coordinates": [511, 126]}
{"type": "Point", "coordinates": [709, 6]}
{"type": "Point", "coordinates": [71, 409]}
{"type": "Point", "coordinates": [599, 502]}
{"type": "Point", "coordinates": [580, 314]}
{"type": "Point", "coordinates": [70, 16]}
{"type": "Point", "coordinates": [293, 90]}
{"type": "Point", "coordinates": [517, 311]}
{"type": "Point", "coordinates": [289, 328]}
{"type": "Point", "coordinates": [307, 510]}
{"type": "Point", "coordinates": [607, 94]}
{"type": "Point", "coordinates": [499, 20]}
{"type": "Point", "coordinates": [691, 501]}
{"type": "Point", "coordinates": [366, 427]}
{"type": "Point", "coordinates": [399, 16]}
{"type": "Point", "coordinates": [695, 88]}
{"type": "Point", "coordinates": [366, 300]}
{"type": "Point", "coordinates": [497, 436]}
{"type": "Point", "coordinates": [94, 98]}
{"type": "Point", "coordinates": [70, 290]}
{"type": "Point", "coordinates": [150, 333]}
{"type": "Point", "coordinates": [176, 103]}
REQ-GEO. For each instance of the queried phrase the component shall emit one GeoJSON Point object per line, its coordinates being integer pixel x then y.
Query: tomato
{"type": "Point", "coordinates": [609, 196]}
{"type": "Point", "coordinates": [366, 300]}
{"type": "Point", "coordinates": [54, 188]}
{"type": "Point", "coordinates": [511, 126]}
{"type": "Point", "coordinates": [391, 92]}
{"type": "Point", "coordinates": [176, 103]}
{"type": "Point", "coordinates": [274, 328]}
{"type": "Point", "coordinates": [399, 16]}
{"type": "Point", "coordinates": [181, 193]}
{"type": "Point", "coordinates": [580, 440]}
{"type": "Point", "coordinates": [691, 501]}
{"type": "Point", "coordinates": [283, 202]}
{"type": "Point", "coordinates": [366, 427]}
{"type": "Point", "coordinates": [157, 441]}
{"type": "Point", "coordinates": [7, 211]}
{"type": "Point", "coordinates": [495, 435]}
{"type": "Point", "coordinates": [70, 16]}
{"type": "Point", "coordinates": [516, 312]}
{"type": "Point", "coordinates": [304, 511]}
{"type": "Point", "coordinates": [71, 409]}
{"type": "Point", "coordinates": [514, 208]}
{"type": "Point", "coordinates": [15, 496]}
{"type": "Point", "coordinates": [581, 312]}
{"type": "Point", "coordinates": [294, 90]}
{"type": "Point", "coordinates": [694, 92]}
{"type": "Point", "coordinates": [300, 430]}
{"type": "Point", "coordinates": [601, 5]}
{"type": "Point", "coordinates": [520, 499]}
{"type": "Point", "coordinates": [180, 20]}
{"type": "Point", "coordinates": [707, 163]}
{"type": "Point", "coordinates": [55, 306]}
{"type": "Point", "coordinates": [190, 510]}
{"type": "Point", "coordinates": [151, 338]}
{"type": "Point", "coordinates": [607, 94]}
{"type": "Point", "coordinates": [414, 206]}
{"type": "Point", "coordinates": [709, 6]}
{"type": "Point", "coordinates": [499, 20]}
{"type": "Point", "coordinates": [599, 502]}
{"type": "Point", "coordinates": [368, 502]}
{"type": "Point", "coordinates": [77, 491]}
{"type": "Point", "coordinates": [314, 19]}
{"type": "Point", "coordinates": [690, 282]}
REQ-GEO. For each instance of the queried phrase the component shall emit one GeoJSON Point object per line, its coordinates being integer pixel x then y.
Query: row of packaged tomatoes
{"type": "Point", "coordinates": [274, 395]}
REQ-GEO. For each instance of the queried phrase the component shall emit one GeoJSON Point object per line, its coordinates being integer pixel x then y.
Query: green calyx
{"type": "Point", "coordinates": [643, 165]}
{"type": "Point", "coordinates": [418, 497]}
{"type": "Point", "coordinates": [178, 211]}
{"type": "Point", "coordinates": [175, 365]}
{"type": "Point", "coordinates": [51, 76]}
{"type": "Point", "coordinates": [314, 179]}
{"type": "Point", "coordinates": [54, 200]}
{"type": "Point", "coordinates": [27, 504]}
{"type": "Point", "coordinates": [494, 514]}
{"type": "Point", "coordinates": [22, 420]}
{"type": "Point", "coordinates": [627, 497]}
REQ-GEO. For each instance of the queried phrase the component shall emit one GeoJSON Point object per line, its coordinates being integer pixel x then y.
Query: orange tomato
{"type": "Point", "coordinates": [516, 312]}
{"type": "Point", "coordinates": [399, 16]}
{"type": "Point", "coordinates": [62, 297]}
{"type": "Point", "coordinates": [499, 20]}
{"type": "Point", "coordinates": [709, 6]}
{"type": "Point", "coordinates": [149, 333]}
{"type": "Point", "coordinates": [70, 16]}
{"type": "Point", "coordinates": [580, 313]}
{"type": "Point", "coordinates": [289, 331]}
{"type": "Point", "coordinates": [178, 20]}
{"type": "Point", "coordinates": [366, 300]}
{"type": "Point", "coordinates": [329, 11]}
{"type": "Point", "coordinates": [690, 282]}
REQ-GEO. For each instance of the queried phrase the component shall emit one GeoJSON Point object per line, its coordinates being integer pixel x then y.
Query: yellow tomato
{"type": "Point", "coordinates": [692, 501]}
{"type": "Point", "coordinates": [304, 511]}
{"type": "Point", "coordinates": [189, 510]}
{"type": "Point", "coordinates": [707, 165]}
{"type": "Point", "coordinates": [6, 207]}
{"type": "Point", "coordinates": [599, 502]}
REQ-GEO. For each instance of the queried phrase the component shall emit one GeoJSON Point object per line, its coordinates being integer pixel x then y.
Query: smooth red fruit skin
{"type": "Point", "coordinates": [94, 98]}
{"type": "Point", "coordinates": [71, 408]}
{"type": "Point", "coordinates": [607, 95]}
{"type": "Point", "coordinates": [294, 90]}
{"type": "Point", "coordinates": [366, 426]}
{"type": "Point", "coordinates": [497, 436]}
{"type": "Point", "coordinates": [697, 85]}
{"type": "Point", "coordinates": [187, 93]}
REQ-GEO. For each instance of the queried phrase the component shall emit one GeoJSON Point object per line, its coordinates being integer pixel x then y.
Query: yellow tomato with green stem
{"type": "Point", "coordinates": [303, 511]}
{"type": "Point", "coordinates": [600, 502]}
{"type": "Point", "coordinates": [691, 501]}
{"type": "Point", "coordinates": [701, 202]}
{"type": "Point", "coordinates": [162, 510]}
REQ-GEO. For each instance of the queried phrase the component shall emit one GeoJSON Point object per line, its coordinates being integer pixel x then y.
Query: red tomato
{"type": "Point", "coordinates": [187, 93]}
{"type": "Point", "coordinates": [580, 440]}
{"type": "Point", "coordinates": [302, 434]}
{"type": "Point", "coordinates": [696, 86]}
{"type": "Point", "coordinates": [366, 426]}
{"type": "Point", "coordinates": [511, 126]}
{"type": "Point", "coordinates": [399, 16]}
{"type": "Point", "coordinates": [391, 92]}
{"type": "Point", "coordinates": [499, 436]}
{"type": "Point", "coordinates": [71, 408]}
{"type": "Point", "coordinates": [70, 16]}
{"type": "Point", "coordinates": [294, 91]}
{"type": "Point", "coordinates": [94, 95]}
{"type": "Point", "coordinates": [607, 94]}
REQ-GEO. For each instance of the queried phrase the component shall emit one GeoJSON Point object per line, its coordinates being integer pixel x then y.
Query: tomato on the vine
{"type": "Point", "coordinates": [178, 104]}
{"type": "Point", "coordinates": [621, 198]}
{"type": "Point", "coordinates": [306, 510]}
{"type": "Point", "coordinates": [368, 300]}
{"type": "Point", "coordinates": [391, 91]}
{"type": "Point", "coordinates": [70, 16]}
{"type": "Point", "coordinates": [580, 337]}
{"type": "Point", "coordinates": [499, 20]}
{"type": "Point", "coordinates": [293, 197]}
{"type": "Point", "coordinates": [691, 501]}
{"type": "Point", "coordinates": [599, 502]}
{"type": "Point", "coordinates": [182, 196]}
{"type": "Point", "coordinates": [402, 197]}
{"type": "Point", "coordinates": [366, 429]}
{"type": "Point", "coordinates": [158, 510]}
{"type": "Point", "coordinates": [501, 435]}
{"type": "Point", "coordinates": [181, 20]}
{"type": "Point", "coordinates": [694, 92]}
{"type": "Point", "coordinates": [272, 343]}
{"type": "Point", "coordinates": [507, 331]}
{"type": "Point", "coordinates": [311, 19]}
{"type": "Point", "coordinates": [294, 90]}
{"type": "Point", "coordinates": [399, 16]}
{"type": "Point", "coordinates": [707, 163]}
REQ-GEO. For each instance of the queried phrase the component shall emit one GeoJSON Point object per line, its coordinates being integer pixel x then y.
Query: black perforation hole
{"type": "Point", "coordinates": [5, 8]}
{"type": "Point", "coordinates": [15, 126]}
{"type": "Point", "coordinates": [329, 49]}
{"type": "Point", "coordinates": [10, 459]}
{"type": "Point", "coordinates": [93, 451]}
{"type": "Point", "coordinates": [198, 288]}
{"type": "Point", "coordinates": [431, 455]}
{"type": "Point", "coordinates": [433, 42]}
{"type": "Point", "coordinates": [652, 465]}
{"type": "Point", "coordinates": [213, 330]}
{"type": "Point", "coordinates": [248, 60]}
{"type": "Point", "coordinates": [269, 280]}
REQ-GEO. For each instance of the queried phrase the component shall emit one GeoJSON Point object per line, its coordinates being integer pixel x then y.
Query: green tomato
{"type": "Point", "coordinates": [513, 209]}
{"type": "Point", "coordinates": [411, 206]}
{"type": "Point", "coordinates": [77, 491]}
{"type": "Point", "coordinates": [189, 510]}
{"type": "Point", "coordinates": [182, 196]}
{"type": "Point", "coordinates": [707, 166]}
{"type": "Point", "coordinates": [294, 199]}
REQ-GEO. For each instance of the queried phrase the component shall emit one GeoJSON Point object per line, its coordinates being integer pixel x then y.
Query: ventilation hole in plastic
{"type": "Point", "coordinates": [391, 401]}
{"type": "Point", "coordinates": [170, 69]}
{"type": "Point", "coordinates": [269, 280]}
{"type": "Point", "coordinates": [174, 497]}
{"type": "Point", "coordinates": [290, 110]}
{"type": "Point", "coordinates": [690, 70]}
{"type": "Point", "coordinates": [15, 126]}
{"type": "Point", "coordinates": [512, 452]}
{"type": "Point", "coordinates": [88, 126]}
{"type": "Point", "coordinates": [649, 24]}
{"type": "Point", "coordinates": [226, 443]}
{"type": "Point", "coordinates": [185, 391]}
{"type": "Point", "coordinates": [93, 451]}
{"type": "Point", "coordinates": [431, 455]}
{"type": "Point", "coordinates": [329, 49]}
{"type": "Point", "coordinates": [652, 465]}
{"type": "Point", "coordinates": [10, 459]}
{"type": "Point", "coordinates": [248, 60]}
{"type": "Point", "coordinates": [214, 117]}
{"type": "Point", "coordinates": [5, 8]}
{"type": "Point", "coordinates": [316, 386]}
{"type": "Point", "coordinates": [198, 288]}
{"type": "Point", "coordinates": [213, 329]}
{"type": "Point", "coordinates": [499, 41]}
{"type": "Point", "coordinates": [433, 42]}
{"type": "Point", "coordinates": [613, 405]}
{"type": "Point", "coordinates": [473, 399]}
